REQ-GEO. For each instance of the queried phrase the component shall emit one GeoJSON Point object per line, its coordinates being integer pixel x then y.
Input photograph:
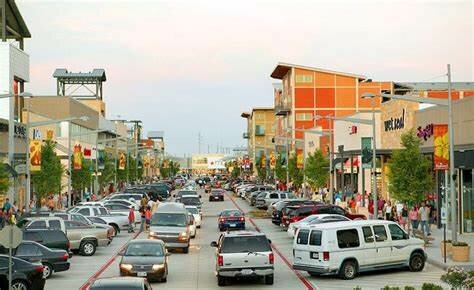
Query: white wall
{"type": "Point", "coordinates": [342, 134]}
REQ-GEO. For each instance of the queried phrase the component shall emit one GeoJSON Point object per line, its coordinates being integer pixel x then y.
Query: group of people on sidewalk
{"type": "Point", "coordinates": [147, 206]}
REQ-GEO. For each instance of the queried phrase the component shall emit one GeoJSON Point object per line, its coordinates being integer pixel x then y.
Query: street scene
{"type": "Point", "coordinates": [248, 145]}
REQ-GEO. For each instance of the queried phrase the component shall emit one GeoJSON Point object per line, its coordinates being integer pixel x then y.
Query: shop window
{"type": "Point", "coordinates": [304, 78]}
{"type": "Point", "coordinates": [304, 116]}
{"type": "Point", "coordinates": [259, 130]}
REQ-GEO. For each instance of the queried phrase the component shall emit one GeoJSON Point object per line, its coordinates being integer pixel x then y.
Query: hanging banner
{"type": "Point", "coordinates": [87, 153]}
{"type": "Point", "coordinates": [101, 160]}
{"type": "Point", "coordinates": [366, 147]}
{"type": "Point", "coordinates": [263, 161]}
{"type": "Point", "coordinates": [35, 155]}
{"type": "Point", "coordinates": [77, 157]}
{"type": "Point", "coordinates": [49, 135]}
{"type": "Point", "coordinates": [299, 159]}
{"type": "Point", "coordinates": [272, 160]}
{"type": "Point", "coordinates": [441, 147]}
{"type": "Point", "coordinates": [122, 161]}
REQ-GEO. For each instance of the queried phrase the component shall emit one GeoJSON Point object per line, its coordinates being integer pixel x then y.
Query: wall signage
{"type": "Point", "coordinates": [352, 130]}
{"type": "Point", "coordinates": [426, 132]}
{"type": "Point", "coordinates": [395, 123]}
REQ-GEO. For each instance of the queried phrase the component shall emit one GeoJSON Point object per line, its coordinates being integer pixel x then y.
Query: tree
{"type": "Point", "coordinates": [121, 173]}
{"type": "Point", "coordinates": [132, 169]}
{"type": "Point", "coordinates": [295, 173]}
{"type": "Point", "coordinates": [236, 169]}
{"type": "Point", "coordinates": [316, 170]}
{"type": "Point", "coordinates": [409, 171]}
{"type": "Point", "coordinates": [107, 174]}
{"type": "Point", "coordinates": [81, 178]}
{"type": "Point", "coordinates": [261, 170]}
{"type": "Point", "coordinates": [280, 171]}
{"type": "Point", "coordinates": [169, 168]}
{"type": "Point", "coordinates": [48, 179]}
{"type": "Point", "coordinates": [4, 179]}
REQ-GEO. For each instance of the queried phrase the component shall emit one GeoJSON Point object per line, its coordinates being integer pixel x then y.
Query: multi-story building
{"type": "Point", "coordinates": [260, 134]}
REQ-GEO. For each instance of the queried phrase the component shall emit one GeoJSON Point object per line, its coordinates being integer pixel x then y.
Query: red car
{"type": "Point", "coordinates": [216, 195]}
{"type": "Point", "coordinates": [297, 213]}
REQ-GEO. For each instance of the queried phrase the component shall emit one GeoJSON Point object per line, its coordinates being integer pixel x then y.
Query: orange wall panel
{"type": "Point", "coordinates": [325, 98]}
{"type": "Point", "coordinates": [386, 85]}
{"type": "Point", "coordinates": [324, 123]}
{"type": "Point", "coordinates": [344, 113]}
{"type": "Point", "coordinates": [443, 95]}
{"type": "Point", "coordinates": [366, 103]}
{"type": "Point", "coordinates": [304, 97]}
{"type": "Point", "coordinates": [468, 94]}
{"type": "Point", "coordinates": [299, 71]}
{"type": "Point", "coordinates": [345, 81]}
{"type": "Point", "coordinates": [324, 79]}
{"type": "Point", "coordinates": [345, 98]}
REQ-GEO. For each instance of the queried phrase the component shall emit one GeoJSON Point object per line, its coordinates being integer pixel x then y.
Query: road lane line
{"type": "Point", "coordinates": [106, 265]}
{"type": "Point", "coordinates": [303, 280]}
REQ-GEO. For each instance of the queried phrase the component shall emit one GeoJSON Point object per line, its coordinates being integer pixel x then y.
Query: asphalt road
{"type": "Point", "coordinates": [195, 270]}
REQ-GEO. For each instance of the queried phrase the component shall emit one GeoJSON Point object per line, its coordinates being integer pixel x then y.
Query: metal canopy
{"type": "Point", "coordinates": [68, 83]}
{"type": "Point", "coordinates": [12, 25]}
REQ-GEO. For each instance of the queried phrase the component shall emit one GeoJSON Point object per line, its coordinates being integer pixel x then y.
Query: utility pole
{"type": "Point", "coordinates": [452, 170]}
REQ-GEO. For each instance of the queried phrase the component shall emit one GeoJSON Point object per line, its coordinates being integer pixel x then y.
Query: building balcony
{"type": "Point", "coordinates": [259, 133]}
{"type": "Point", "coordinates": [281, 110]}
{"type": "Point", "coordinates": [245, 135]}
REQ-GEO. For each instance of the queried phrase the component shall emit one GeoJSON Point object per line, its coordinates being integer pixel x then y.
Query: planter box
{"type": "Point", "coordinates": [449, 247]}
{"type": "Point", "coordinates": [461, 254]}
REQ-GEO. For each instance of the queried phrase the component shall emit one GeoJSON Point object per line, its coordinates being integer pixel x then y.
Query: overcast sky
{"type": "Point", "coordinates": [193, 66]}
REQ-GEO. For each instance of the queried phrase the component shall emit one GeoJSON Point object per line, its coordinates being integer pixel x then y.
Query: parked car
{"type": "Point", "coordinates": [282, 208]}
{"type": "Point", "coordinates": [53, 260]}
{"type": "Point", "coordinates": [243, 253]}
{"type": "Point", "coordinates": [128, 203]}
{"type": "Point", "coordinates": [129, 283]}
{"type": "Point", "coordinates": [170, 224]}
{"type": "Point", "coordinates": [231, 219]}
{"type": "Point", "coordinates": [53, 239]}
{"type": "Point", "coordinates": [113, 207]}
{"type": "Point", "coordinates": [117, 220]}
{"type": "Point", "coordinates": [25, 275]}
{"type": "Point", "coordinates": [248, 190]}
{"type": "Point", "coordinates": [264, 201]}
{"type": "Point", "coordinates": [111, 230]}
{"type": "Point", "coordinates": [196, 214]}
{"type": "Point", "coordinates": [192, 225]}
{"type": "Point", "coordinates": [126, 196]}
{"type": "Point", "coordinates": [348, 248]}
{"type": "Point", "coordinates": [177, 196]}
{"type": "Point", "coordinates": [145, 258]}
{"type": "Point", "coordinates": [300, 212]}
{"type": "Point", "coordinates": [191, 200]}
{"type": "Point", "coordinates": [54, 223]}
{"type": "Point", "coordinates": [216, 195]}
{"type": "Point", "coordinates": [315, 219]}
{"type": "Point", "coordinates": [85, 238]}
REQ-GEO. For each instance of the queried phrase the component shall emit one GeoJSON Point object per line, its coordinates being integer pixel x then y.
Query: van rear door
{"type": "Point", "coordinates": [301, 250]}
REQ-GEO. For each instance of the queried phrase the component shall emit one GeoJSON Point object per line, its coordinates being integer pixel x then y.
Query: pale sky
{"type": "Point", "coordinates": [193, 66]}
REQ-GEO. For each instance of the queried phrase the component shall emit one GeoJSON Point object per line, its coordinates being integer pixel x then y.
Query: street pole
{"type": "Point", "coordinates": [69, 195]}
{"type": "Point", "coordinates": [28, 178]}
{"type": "Point", "coordinates": [287, 154]}
{"type": "Point", "coordinates": [11, 142]}
{"type": "Point", "coordinates": [331, 158]}
{"type": "Point", "coordinates": [452, 173]}
{"type": "Point", "coordinates": [374, 161]}
{"type": "Point", "coordinates": [10, 264]}
{"type": "Point", "coordinates": [97, 164]}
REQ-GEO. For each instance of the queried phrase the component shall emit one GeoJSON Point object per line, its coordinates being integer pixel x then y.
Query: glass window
{"type": "Point", "coordinates": [84, 211]}
{"type": "Point", "coordinates": [37, 225]}
{"type": "Point", "coordinates": [273, 195]}
{"type": "Point", "coordinates": [304, 211]}
{"type": "Point", "coordinates": [380, 233]}
{"type": "Point", "coordinates": [302, 238]}
{"type": "Point", "coordinates": [348, 238]}
{"type": "Point", "coordinates": [27, 250]}
{"type": "Point", "coordinates": [324, 210]}
{"type": "Point", "coordinates": [396, 232]}
{"type": "Point", "coordinates": [315, 238]}
{"type": "Point", "coordinates": [304, 78]}
{"type": "Point", "coordinates": [96, 211]}
{"type": "Point", "coordinates": [338, 210]}
{"type": "Point", "coordinates": [368, 235]}
{"type": "Point", "coordinates": [145, 250]}
{"type": "Point", "coordinates": [245, 244]}
{"type": "Point", "coordinates": [282, 195]}
{"type": "Point", "coordinates": [55, 224]}
{"type": "Point", "coordinates": [304, 117]}
{"type": "Point", "coordinates": [259, 130]}
{"type": "Point", "coordinates": [32, 236]}
{"type": "Point", "coordinates": [103, 210]}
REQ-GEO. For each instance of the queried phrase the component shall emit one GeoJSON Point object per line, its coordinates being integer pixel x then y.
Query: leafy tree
{"type": "Point", "coordinates": [108, 173]}
{"type": "Point", "coordinates": [4, 181]}
{"type": "Point", "coordinates": [409, 171]}
{"type": "Point", "coordinates": [261, 170]}
{"type": "Point", "coordinates": [295, 173]}
{"type": "Point", "coordinates": [81, 178]}
{"type": "Point", "coordinates": [121, 173]}
{"type": "Point", "coordinates": [132, 169]}
{"type": "Point", "coordinates": [236, 169]}
{"type": "Point", "coordinates": [280, 171]}
{"type": "Point", "coordinates": [48, 179]}
{"type": "Point", "coordinates": [316, 170]}
{"type": "Point", "coordinates": [169, 168]}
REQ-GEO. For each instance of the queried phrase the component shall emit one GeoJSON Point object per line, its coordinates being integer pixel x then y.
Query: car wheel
{"type": "Point", "coordinates": [47, 270]}
{"type": "Point", "coordinates": [221, 281]}
{"type": "Point", "coordinates": [348, 270]}
{"type": "Point", "coordinates": [269, 279]}
{"type": "Point", "coordinates": [87, 248]}
{"type": "Point", "coordinates": [164, 279]}
{"type": "Point", "coordinates": [186, 250]}
{"type": "Point", "coordinates": [19, 285]}
{"type": "Point", "coordinates": [417, 262]}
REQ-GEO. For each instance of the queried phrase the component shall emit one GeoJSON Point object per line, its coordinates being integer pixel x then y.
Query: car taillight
{"type": "Point", "coordinates": [271, 258]}
{"type": "Point", "coordinates": [65, 257]}
{"type": "Point", "coordinates": [326, 256]}
{"type": "Point", "coordinates": [69, 245]}
{"type": "Point", "coordinates": [221, 220]}
{"type": "Point", "coordinates": [39, 269]}
{"type": "Point", "coordinates": [220, 260]}
{"type": "Point", "coordinates": [242, 219]}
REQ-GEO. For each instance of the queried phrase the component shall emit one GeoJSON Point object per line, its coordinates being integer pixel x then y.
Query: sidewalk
{"type": "Point", "coordinates": [434, 251]}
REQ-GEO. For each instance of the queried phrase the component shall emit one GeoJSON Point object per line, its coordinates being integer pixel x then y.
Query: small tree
{"type": "Point", "coordinates": [121, 173]}
{"type": "Point", "coordinates": [236, 169]}
{"type": "Point", "coordinates": [107, 174]}
{"type": "Point", "coordinates": [409, 171]}
{"type": "Point", "coordinates": [316, 170]}
{"type": "Point", "coordinates": [280, 171]}
{"type": "Point", "coordinates": [48, 179]}
{"type": "Point", "coordinates": [81, 178]}
{"type": "Point", "coordinates": [261, 170]}
{"type": "Point", "coordinates": [296, 174]}
{"type": "Point", "coordinates": [4, 181]}
{"type": "Point", "coordinates": [132, 169]}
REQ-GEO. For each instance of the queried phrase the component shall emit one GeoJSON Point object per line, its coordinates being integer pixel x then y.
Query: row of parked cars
{"type": "Point", "coordinates": [328, 239]}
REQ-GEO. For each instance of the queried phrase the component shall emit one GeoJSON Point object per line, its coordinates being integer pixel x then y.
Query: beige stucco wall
{"type": "Point", "coordinates": [390, 139]}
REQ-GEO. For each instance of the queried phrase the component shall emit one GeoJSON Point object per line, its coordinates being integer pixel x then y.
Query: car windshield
{"type": "Point", "coordinates": [245, 244]}
{"type": "Point", "coordinates": [144, 249]}
{"type": "Point", "coordinates": [191, 200]}
{"type": "Point", "coordinates": [169, 220]}
{"type": "Point", "coordinates": [231, 213]}
{"type": "Point", "coordinates": [261, 194]}
{"type": "Point", "coordinates": [192, 210]}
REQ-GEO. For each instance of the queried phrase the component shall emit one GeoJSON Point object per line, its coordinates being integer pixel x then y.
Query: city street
{"type": "Point", "coordinates": [195, 270]}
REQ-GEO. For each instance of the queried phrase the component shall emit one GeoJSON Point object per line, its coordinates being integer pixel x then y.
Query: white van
{"type": "Point", "coordinates": [346, 248]}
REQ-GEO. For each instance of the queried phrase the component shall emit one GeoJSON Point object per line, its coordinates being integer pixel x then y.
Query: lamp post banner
{"type": "Point", "coordinates": [35, 155]}
{"type": "Point", "coordinates": [366, 148]}
{"type": "Point", "coordinates": [441, 147]}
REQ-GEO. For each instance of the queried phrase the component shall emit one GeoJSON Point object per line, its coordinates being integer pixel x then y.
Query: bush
{"type": "Point", "coordinates": [409, 288]}
{"type": "Point", "coordinates": [460, 244]}
{"type": "Point", "coordinates": [357, 288]}
{"type": "Point", "coordinates": [454, 277]}
{"type": "Point", "coordinates": [431, 286]}
{"type": "Point", "coordinates": [390, 288]}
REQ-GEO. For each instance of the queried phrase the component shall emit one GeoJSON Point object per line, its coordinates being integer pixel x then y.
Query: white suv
{"type": "Point", "coordinates": [346, 248]}
{"type": "Point", "coordinates": [243, 253]}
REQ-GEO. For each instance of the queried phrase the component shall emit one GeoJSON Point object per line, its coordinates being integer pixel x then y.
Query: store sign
{"type": "Point", "coordinates": [352, 130]}
{"type": "Point", "coordinates": [36, 134]}
{"type": "Point", "coordinates": [395, 123]}
{"type": "Point", "coordinates": [366, 148]}
{"type": "Point", "coordinates": [426, 132]}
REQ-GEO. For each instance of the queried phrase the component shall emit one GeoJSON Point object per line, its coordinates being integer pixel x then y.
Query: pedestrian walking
{"type": "Point", "coordinates": [131, 220]}
{"type": "Point", "coordinates": [370, 208]}
{"type": "Point", "coordinates": [147, 218]}
{"type": "Point", "coordinates": [404, 217]}
{"type": "Point", "coordinates": [424, 213]}
{"type": "Point", "coordinates": [387, 210]}
{"type": "Point", "coordinates": [352, 205]}
{"type": "Point", "coordinates": [142, 218]}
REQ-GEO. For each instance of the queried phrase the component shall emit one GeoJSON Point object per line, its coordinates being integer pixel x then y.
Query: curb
{"type": "Point", "coordinates": [437, 264]}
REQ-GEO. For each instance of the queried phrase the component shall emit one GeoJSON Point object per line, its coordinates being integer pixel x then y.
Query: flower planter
{"type": "Point", "coordinates": [461, 253]}
{"type": "Point", "coordinates": [449, 247]}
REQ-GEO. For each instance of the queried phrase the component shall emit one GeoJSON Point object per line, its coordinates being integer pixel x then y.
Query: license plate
{"type": "Point", "coordinates": [232, 225]}
{"type": "Point", "coordinates": [141, 274]}
{"type": "Point", "coordinates": [246, 272]}
{"type": "Point", "coordinates": [314, 255]}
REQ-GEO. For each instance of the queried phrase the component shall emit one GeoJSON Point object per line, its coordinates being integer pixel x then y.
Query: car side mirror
{"type": "Point", "coordinates": [270, 241]}
{"type": "Point", "coordinates": [214, 244]}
